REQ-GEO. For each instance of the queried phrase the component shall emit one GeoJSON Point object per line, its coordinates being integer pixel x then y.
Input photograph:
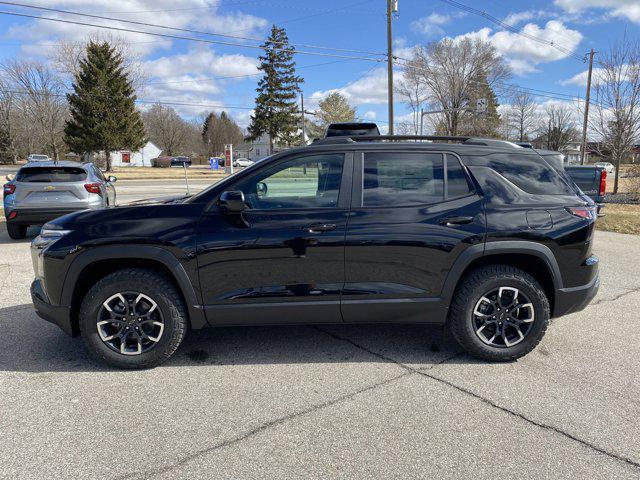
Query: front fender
{"type": "Point", "coordinates": [144, 252]}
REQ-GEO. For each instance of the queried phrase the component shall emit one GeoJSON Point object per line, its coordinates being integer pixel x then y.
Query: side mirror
{"type": "Point", "coordinates": [261, 189]}
{"type": "Point", "coordinates": [111, 178]}
{"type": "Point", "coordinates": [10, 177]}
{"type": "Point", "coordinates": [232, 201]}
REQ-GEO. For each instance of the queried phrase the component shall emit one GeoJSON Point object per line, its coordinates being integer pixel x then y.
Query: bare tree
{"type": "Point", "coordinates": [166, 129]}
{"type": "Point", "coordinates": [452, 72]}
{"type": "Point", "coordinates": [413, 90]}
{"type": "Point", "coordinates": [560, 126]}
{"type": "Point", "coordinates": [42, 104]}
{"type": "Point", "coordinates": [522, 115]}
{"type": "Point", "coordinates": [8, 132]}
{"type": "Point", "coordinates": [616, 102]}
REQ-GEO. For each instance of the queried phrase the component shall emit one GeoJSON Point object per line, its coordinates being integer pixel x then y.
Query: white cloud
{"type": "Point", "coordinates": [369, 89]}
{"type": "Point", "coordinates": [370, 115]}
{"type": "Point", "coordinates": [524, 54]}
{"type": "Point", "coordinates": [199, 14]}
{"type": "Point", "coordinates": [519, 17]}
{"type": "Point", "coordinates": [431, 25]}
{"type": "Point", "coordinates": [629, 9]}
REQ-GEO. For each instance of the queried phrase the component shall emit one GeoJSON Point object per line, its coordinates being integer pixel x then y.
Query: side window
{"type": "Point", "coordinates": [311, 181]}
{"type": "Point", "coordinates": [402, 179]}
{"type": "Point", "coordinates": [457, 183]}
{"type": "Point", "coordinates": [529, 173]}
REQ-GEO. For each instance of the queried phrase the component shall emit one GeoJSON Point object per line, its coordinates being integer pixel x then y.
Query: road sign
{"type": "Point", "coordinates": [481, 105]}
{"type": "Point", "coordinates": [228, 158]}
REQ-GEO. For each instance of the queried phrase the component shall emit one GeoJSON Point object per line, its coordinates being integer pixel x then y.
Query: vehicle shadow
{"type": "Point", "coordinates": [30, 344]}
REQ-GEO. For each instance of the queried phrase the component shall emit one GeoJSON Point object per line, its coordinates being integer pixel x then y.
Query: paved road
{"type": "Point", "coordinates": [329, 402]}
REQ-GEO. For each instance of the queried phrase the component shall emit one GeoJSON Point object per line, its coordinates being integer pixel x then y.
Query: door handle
{"type": "Point", "coordinates": [451, 221]}
{"type": "Point", "coordinates": [320, 227]}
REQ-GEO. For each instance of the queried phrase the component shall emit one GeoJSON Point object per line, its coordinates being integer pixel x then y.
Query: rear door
{"type": "Point", "coordinates": [50, 187]}
{"type": "Point", "coordinates": [413, 213]}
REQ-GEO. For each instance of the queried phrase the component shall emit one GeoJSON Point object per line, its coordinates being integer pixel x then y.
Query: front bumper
{"type": "Point", "coordinates": [58, 315]}
{"type": "Point", "coordinates": [575, 299]}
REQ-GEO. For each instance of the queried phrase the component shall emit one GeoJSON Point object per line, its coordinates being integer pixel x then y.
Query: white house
{"type": "Point", "coordinates": [137, 158]}
{"type": "Point", "coordinates": [259, 148]}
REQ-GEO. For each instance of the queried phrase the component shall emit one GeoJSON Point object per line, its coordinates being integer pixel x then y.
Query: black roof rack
{"type": "Point", "coordinates": [490, 142]}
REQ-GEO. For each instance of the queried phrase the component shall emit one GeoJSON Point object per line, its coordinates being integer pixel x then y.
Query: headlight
{"type": "Point", "coordinates": [48, 234]}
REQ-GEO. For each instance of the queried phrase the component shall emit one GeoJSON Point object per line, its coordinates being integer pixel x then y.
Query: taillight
{"type": "Point", "coordinates": [9, 189]}
{"type": "Point", "coordinates": [603, 183]}
{"type": "Point", "coordinates": [92, 187]}
{"type": "Point", "coordinates": [588, 213]}
{"type": "Point", "coordinates": [13, 215]}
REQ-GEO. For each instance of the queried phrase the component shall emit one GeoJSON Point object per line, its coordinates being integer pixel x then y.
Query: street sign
{"type": "Point", "coordinates": [228, 158]}
{"type": "Point", "coordinates": [481, 105]}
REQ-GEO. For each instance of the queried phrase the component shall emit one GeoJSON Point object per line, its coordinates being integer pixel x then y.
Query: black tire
{"type": "Point", "coordinates": [17, 232]}
{"type": "Point", "coordinates": [473, 287]}
{"type": "Point", "coordinates": [152, 284]}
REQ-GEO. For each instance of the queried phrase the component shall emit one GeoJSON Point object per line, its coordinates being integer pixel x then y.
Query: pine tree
{"type": "Point", "coordinates": [102, 107]}
{"type": "Point", "coordinates": [484, 124]}
{"type": "Point", "coordinates": [276, 112]}
{"type": "Point", "coordinates": [218, 131]}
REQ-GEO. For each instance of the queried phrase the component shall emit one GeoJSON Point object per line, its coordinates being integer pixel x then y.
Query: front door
{"type": "Point", "coordinates": [282, 259]}
{"type": "Point", "coordinates": [412, 214]}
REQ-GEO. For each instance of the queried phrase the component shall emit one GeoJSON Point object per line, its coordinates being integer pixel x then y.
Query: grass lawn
{"type": "Point", "coordinates": [148, 173]}
{"type": "Point", "coordinates": [620, 219]}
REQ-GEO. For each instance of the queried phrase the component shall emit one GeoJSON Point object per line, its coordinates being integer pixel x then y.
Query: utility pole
{"type": "Point", "coordinates": [302, 112]}
{"type": "Point", "coordinates": [392, 7]}
{"type": "Point", "coordinates": [583, 149]}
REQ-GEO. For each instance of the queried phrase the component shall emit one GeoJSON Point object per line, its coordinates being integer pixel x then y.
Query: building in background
{"type": "Point", "coordinates": [137, 158]}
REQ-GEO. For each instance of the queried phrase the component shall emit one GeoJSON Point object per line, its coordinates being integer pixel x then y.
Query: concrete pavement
{"type": "Point", "coordinates": [327, 402]}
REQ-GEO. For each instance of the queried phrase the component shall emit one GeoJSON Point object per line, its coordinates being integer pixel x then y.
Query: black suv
{"type": "Point", "coordinates": [483, 236]}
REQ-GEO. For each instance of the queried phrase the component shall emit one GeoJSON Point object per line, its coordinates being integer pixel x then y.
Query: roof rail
{"type": "Point", "coordinates": [487, 142]}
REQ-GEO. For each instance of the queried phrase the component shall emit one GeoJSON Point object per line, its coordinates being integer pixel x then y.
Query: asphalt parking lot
{"type": "Point", "coordinates": [327, 402]}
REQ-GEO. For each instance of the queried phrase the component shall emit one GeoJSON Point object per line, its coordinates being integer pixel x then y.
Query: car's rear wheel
{"type": "Point", "coordinates": [17, 232]}
{"type": "Point", "coordinates": [133, 318]}
{"type": "Point", "coordinates": [499, 313]}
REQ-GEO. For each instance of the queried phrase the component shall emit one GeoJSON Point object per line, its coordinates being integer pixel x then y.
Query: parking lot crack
{"type": "Point", "coordinates": [424, 372]}
{"type": "Point", "coordinates": [617, 297]}
{"type": "Point", "coordinates": [259, 429]}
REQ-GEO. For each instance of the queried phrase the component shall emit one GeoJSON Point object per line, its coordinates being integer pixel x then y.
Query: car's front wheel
{"type": "Point", "coordinates": [499, 313]}
{"type": "Point", "coordinates": [133, 318]}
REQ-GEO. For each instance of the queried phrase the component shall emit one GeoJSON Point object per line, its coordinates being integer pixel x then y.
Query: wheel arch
{"type": "Point", "coordinates": [94, 264]}
{"type": "Point", "coordinates": [534, 258]}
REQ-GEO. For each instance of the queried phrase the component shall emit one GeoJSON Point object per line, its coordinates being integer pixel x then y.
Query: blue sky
{"type": "Point", "coordinates": [188, 72]}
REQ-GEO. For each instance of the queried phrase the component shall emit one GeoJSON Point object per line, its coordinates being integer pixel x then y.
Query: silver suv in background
{"type": "Point", "coordinates": [42, 191]}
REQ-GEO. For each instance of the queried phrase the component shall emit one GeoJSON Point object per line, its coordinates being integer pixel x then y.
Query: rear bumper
{"type": "Point", "coordinates": [58, 315]}
{"type": "Point", "coordinates": [36, 216]}
{"type": "Point", "coordinates": [575, 299]}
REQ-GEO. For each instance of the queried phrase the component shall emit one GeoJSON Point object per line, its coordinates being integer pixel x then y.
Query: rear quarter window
{"type": "Point", "coordinates": [529, 174]}
{"type": "Point", "coordinates": [51, 175]}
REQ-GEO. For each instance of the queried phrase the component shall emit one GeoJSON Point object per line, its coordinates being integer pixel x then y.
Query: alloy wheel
{"type": "Point", "coordinates": [130, 323]}
{"type": "Point", "coordinates": [503, 317]}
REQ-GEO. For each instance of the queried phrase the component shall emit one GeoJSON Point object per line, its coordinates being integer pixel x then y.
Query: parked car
{"type": "Point", "coordinates": [37, 157]}
{"type": "Point", "coordinates": [242, 162]}
{"type": "Point", "coordinates": [42, 191]}
{"type": "Point", "coordinates": [180, 161]}
{"type": "Point", "coordinates": [479, 236]}
{"type": "Point", "coordinates": [608, 167]}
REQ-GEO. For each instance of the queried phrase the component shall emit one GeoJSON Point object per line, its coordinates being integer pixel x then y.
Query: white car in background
{"type": "Point", "coordinates": [608, 167]}
{"type": "Point", "coordinates": [38, 157]}
{"type": "Point", "coordinates": [242, 162]}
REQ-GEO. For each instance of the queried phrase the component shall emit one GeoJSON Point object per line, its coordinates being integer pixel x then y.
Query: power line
{"type": "Point", "coordinates": [205, 79]}
{"type": "Point", "coordinates": [511, 28]}
{"type": "Point", "coordinates": [177, 29]}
